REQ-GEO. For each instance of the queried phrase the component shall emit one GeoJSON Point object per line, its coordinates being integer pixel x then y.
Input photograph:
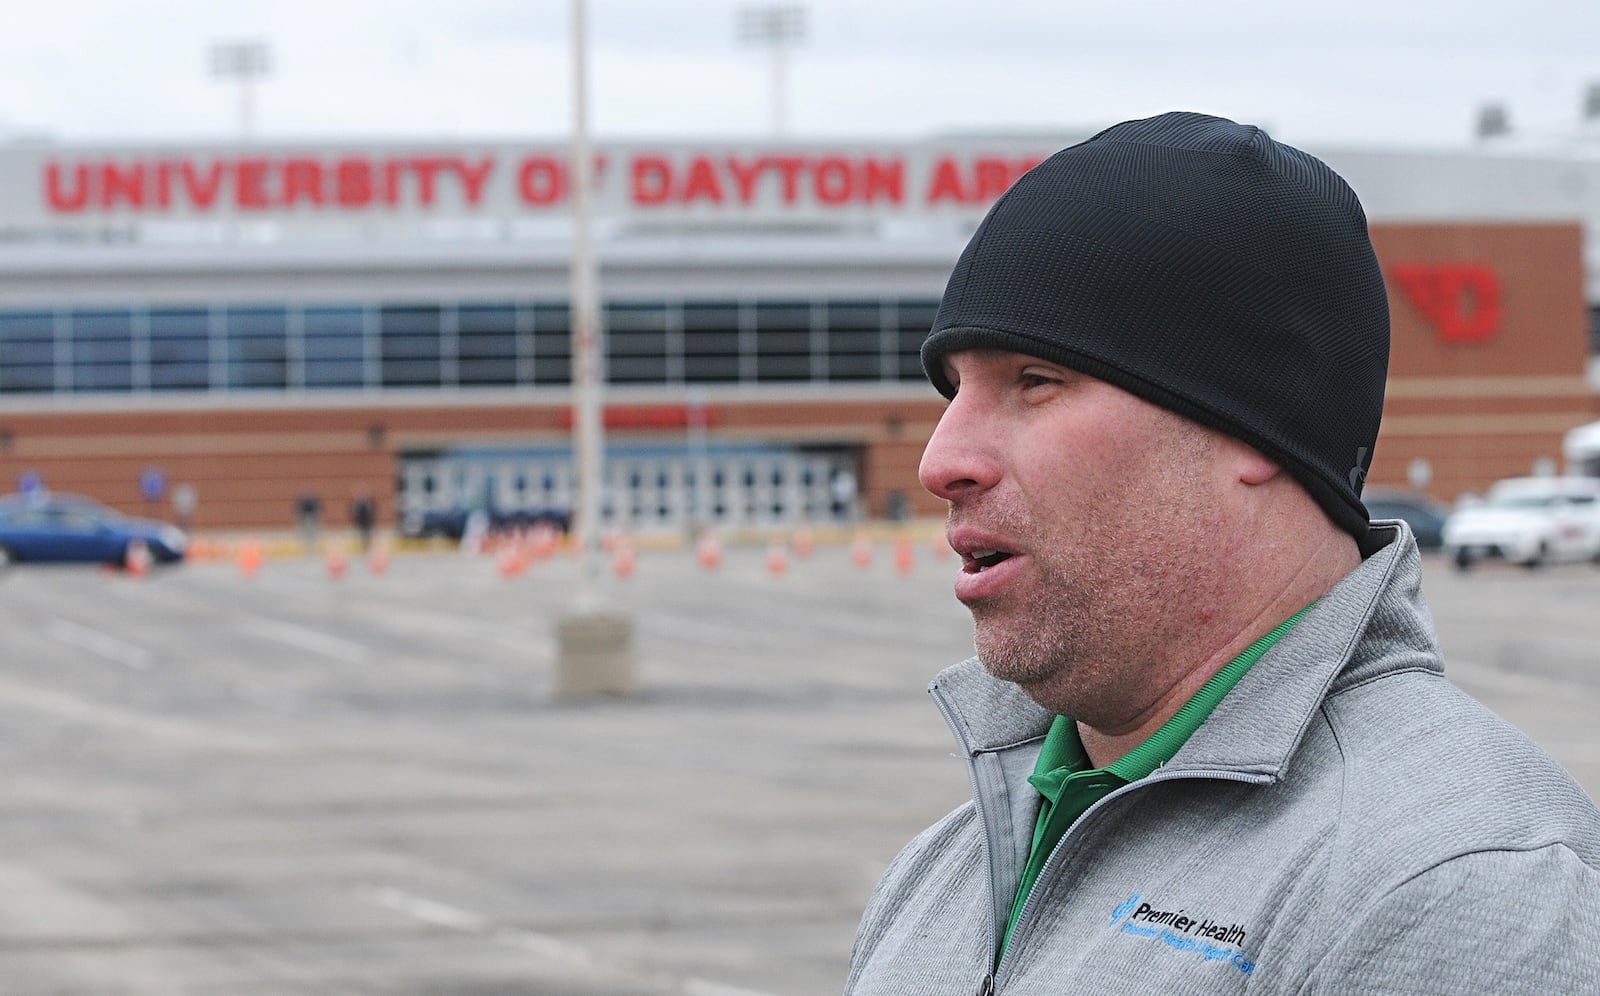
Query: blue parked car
{"type": "Point", "coordinates": [69, 528]}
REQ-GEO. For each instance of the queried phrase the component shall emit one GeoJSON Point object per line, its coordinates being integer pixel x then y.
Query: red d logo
{"type": "Point", "coordinates": [1460, 300]}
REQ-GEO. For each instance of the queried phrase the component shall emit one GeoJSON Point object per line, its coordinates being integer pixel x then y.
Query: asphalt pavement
{"type": "Point", "coordinates": [295, 784]}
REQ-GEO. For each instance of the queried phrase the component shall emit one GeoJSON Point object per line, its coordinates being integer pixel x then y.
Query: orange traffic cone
{"type": "Point", "coordinates": [861, 552]}
{"type": "Point", "coordinates": [511, 561]}
{"type": "Point", "coordinates": [137, 558]}
{"type": "Point", "coordinates": [542, 542]}
{"type": "Point", "coordinates": [623, 558]}
{"type": "Point", "coordinates": [336, 561]}
{"type": "Point", "coordinates": [378, 558]}
{"type": "Point", "coordinates": [250, 558]}
{"type": "Point", "coordinates": [709, 551]}
{"type": "Point", "coordinates": [804, 543]}
{"type": "Point", "coordinates": [905, 556]}
{"type": "Point", "coordinates": [777, 560]}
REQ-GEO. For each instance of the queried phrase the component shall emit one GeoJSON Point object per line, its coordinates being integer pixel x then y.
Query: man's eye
{"type": "Point", "coordinates": [1033, 379]}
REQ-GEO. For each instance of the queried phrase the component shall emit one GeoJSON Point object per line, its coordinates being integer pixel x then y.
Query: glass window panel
{"type": "Point", "coordinates": [333, 372]}
{"type": "Point", "coordinates": [334, 348]}
{"type": "Point", "coordinates": [776, 342]}
{"type": "Point", "coordinates": [636, 342]}
{"type": "Point", "coordinates": [257, 349]}
{"type": "Point", "coordinates": [106, 351]}
{"type": "Point", "coordinates": [258, 374]}
{"type": "Point", "coordinates": [409, 320]}
{"type": "Point", "coordinates": [783, 315]}
{"type": "Point", "coordinates": [337, 320]}
{"type": "Point", "coordinates": [630, 316]}
{"type": "Point", "coordinates": [485, 332]}
{"type": "Point", "coordinates": [710, 369]}
{"type": "Point", "coordinates": [486, 372]}
{"type": "Point", "coordinates": [255, 322]}
{"type": "Point", "coordinates": [552, 344]}
{"type": "Point", "coordinates": [549, 369]}
{"type": "Point", "coordinates": [24, 326]}
{"type": "Point", "coordinates": [409, 345]}
{"type": "Point", "coordinates": [410, 373]}
{"type": "Point", "coordinates": [88, 325]}
{"type": "Point", "coordinates": [102, 377]}
{"type": "Point", "coordinates": [14, 353]}
{"type": "Point", "coordinates": [19, 378]}
{"type": "Point", "coordinates": [854, 367]}
{"type": "Point", "coordinates": [861, 315]}
{"type": "Point", "coordinates": [783, 368]}
{"type": "Point", "coordinates": [636, 370]}
{"type": "Point", "coordinates": [180, 323]}
{"type": "Point", "coordinates": [27, 352]}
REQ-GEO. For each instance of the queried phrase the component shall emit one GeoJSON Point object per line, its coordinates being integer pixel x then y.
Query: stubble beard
{"type": "Point", "coordinates": [1084, 631]}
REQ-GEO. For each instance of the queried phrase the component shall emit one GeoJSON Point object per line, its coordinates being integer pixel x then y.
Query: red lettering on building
{"type": "Point", "coordinates": [988, 178]}
{"type": "Point", "coordinates": [427, 170]}
{"type": "Point", "coordinates": [201, 190]}
{"type": "Point", "coordinates": [353, 183]}
{"type": "Point", "coordinates": [789, 168]}
{"type": "Point", "coordinates": [164, 185]}
{"type": "Point", "coordinates": [702, 183]}
{"type": "Point", "coordinates": [946, 183]}
{"type": "Point", "coordinates": [1460, 300]}
{"type": "Point", "coordinates": [883, 180]}
{"type": "Point", "coordinates": [745, 178]}
{"type": "Point", "coordinates": [833, 181]}
{"type": "Point", "coordinates": [652, 180]}
{"type": "Point", "coordinates": [250, 185]}
{"type": "Point", "coordinates": [302, 181]}
{"type": "Point", "coordinates": [648, 417]}
{"type": "Point", "coordinates": [59, 200]}
{"type": "Point", "coordinates": [541, 181]}
{"type": "Point", "coordinates": [474, 177]}
{"type": "Point", "coordinates": [121, 185]}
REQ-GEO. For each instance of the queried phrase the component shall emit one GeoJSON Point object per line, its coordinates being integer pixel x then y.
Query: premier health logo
{"type": "Point", "coordinates": [1181, 932]}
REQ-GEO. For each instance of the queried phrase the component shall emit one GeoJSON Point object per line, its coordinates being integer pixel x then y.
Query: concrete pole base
{"type": "Point", "coordinates": [594, 655]}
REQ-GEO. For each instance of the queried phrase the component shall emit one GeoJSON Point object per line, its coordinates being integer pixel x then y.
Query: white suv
{"type": "Point", "coordinates": [1529, 521]}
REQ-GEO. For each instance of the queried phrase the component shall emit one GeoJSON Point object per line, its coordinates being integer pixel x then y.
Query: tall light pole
{"type": "Point", "coordinates": [778, 27]}
{"type": "Point", "coordinates": [589, 446]}
{"type": "Point", "coordinates": [595, 646]}
{"type": "Point", "coordinates": [246, 62]}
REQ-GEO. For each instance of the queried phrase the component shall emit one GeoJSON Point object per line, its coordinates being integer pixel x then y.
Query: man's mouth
{"type": "Point", "coordinates": [978, 561]}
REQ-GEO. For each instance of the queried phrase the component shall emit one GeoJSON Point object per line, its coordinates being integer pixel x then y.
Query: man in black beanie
{"type": "Point", "coordinates": [1211, 746]}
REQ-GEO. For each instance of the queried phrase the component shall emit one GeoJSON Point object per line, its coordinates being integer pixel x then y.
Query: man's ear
{"type": "Point", "coordinates": [1249, 464]}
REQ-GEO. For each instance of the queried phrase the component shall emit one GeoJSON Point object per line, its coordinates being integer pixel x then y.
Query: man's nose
{"type": "Point", "coordinates": [961, 458]}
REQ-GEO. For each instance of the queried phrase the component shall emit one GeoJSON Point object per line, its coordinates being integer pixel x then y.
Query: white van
{"type": "Point", "coordinates": [1529, 521]}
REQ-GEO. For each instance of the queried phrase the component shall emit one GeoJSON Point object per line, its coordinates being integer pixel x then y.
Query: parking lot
{"type": "Point", "coordinates": [293, 784]}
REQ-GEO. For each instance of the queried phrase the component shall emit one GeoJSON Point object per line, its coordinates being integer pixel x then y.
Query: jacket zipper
{"type": "Point", "coordinates": [987, 987]}
{"type": "Point", "coordinates": [992, 982]}
{"type": "Point", "coordinates": [1055, 852]}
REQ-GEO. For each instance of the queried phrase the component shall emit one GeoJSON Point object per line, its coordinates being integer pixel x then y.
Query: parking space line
{"type": "Point", "coordinates": [543, 945]}
{"type": "Point", "coordinates": [306, 638]}
{"type": "Point", "coordinates": [15, 693]}
{"type": "Point", "coordinates": [96, 642]}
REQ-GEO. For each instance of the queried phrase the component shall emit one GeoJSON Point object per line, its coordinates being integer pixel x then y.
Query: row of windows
{"type": "Point", "coordinates": [479, 344]}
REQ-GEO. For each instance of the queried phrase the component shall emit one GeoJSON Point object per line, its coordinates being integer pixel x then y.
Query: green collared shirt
{"type": "Point", "coordinates": [1069, 786]}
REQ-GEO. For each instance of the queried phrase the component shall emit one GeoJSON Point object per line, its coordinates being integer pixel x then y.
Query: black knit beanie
{"type": "Point", "coordinates": [1204, 267]}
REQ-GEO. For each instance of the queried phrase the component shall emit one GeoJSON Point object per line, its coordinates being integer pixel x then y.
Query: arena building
{"type": "Point", "coordinates": [267, 323]}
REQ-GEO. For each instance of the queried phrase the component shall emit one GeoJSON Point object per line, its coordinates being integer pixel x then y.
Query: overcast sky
{"type": "Point", "coordinates": [1381, 73]}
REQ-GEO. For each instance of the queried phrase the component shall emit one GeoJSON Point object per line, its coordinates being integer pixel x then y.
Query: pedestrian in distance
{"type": "Point", "coordinates": [1209, 734]}
{"type": "Point", "coordinates": [363, 515]}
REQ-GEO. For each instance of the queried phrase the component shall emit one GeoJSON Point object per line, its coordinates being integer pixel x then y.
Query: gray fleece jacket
{"type": "Point", "coordinates": [1346, 821]}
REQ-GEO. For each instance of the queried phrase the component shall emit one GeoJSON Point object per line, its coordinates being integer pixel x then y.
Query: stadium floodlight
{"type": "Point", "coordinates": [776, 27]}
{"type": "Point", "coordinates": [245, 62]}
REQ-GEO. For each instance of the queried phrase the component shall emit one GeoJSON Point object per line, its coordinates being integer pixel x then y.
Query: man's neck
{"type": "Point", "coordinates": [1107, 743]}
